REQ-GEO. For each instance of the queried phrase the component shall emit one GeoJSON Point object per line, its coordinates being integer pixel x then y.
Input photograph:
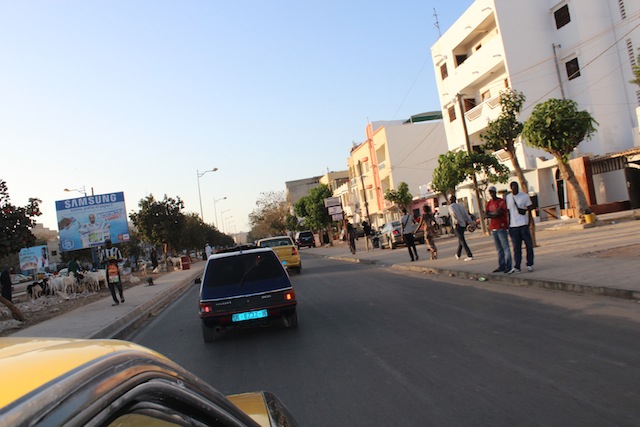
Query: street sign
{"type": "Point", "coordinates": [332, 201]}
{"type": "Point", "coordinates": [334, 210]}
{"type": "Point", "coordinates": [337, 217]}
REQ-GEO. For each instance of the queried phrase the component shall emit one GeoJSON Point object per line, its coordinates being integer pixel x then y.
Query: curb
{"type": "Point", "coordinates": [524, 282]}
{"type": "Point", "coordinates": [127, 324]}
{"type": "Point", "coordinates": [508, 280]}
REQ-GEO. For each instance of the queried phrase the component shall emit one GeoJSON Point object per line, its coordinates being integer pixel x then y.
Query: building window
{"type": "Point", "coordinates": [469, 104]}
{"type": "Point", "coordinates": [452, 113]}
{"type": "Point", "coordinates": [562, 16]}
{"type": "Point", "coordinates": [444, 73]}
{"type": "Point", "coordinates": [573, 69]}
{"type": "Point", "coordinates": [623, 12]}
{"type": "Point", "coordinates": [460, 59]}
{"type": "Point", "coordinates": [485, 95]}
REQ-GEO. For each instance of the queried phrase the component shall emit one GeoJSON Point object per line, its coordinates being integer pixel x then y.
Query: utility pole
{"type": "Point", "coordinates": [473, 176]}
{"type": "Point", "coordinates": [364, 192]}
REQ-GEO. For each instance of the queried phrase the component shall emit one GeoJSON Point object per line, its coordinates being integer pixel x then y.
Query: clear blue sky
{"type": "Point", "coordinates": [137, 96]}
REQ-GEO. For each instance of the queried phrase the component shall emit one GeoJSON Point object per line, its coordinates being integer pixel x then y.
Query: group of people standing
{"type": "Point", "coordinates": [508, 216]}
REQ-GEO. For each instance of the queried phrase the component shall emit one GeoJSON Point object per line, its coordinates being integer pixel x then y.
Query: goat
{"type": "Point", "coordinates": [34, 290]}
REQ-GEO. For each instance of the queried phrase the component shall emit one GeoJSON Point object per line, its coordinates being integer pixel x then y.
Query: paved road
{"type": "Point", "coordinates": [377, 348]}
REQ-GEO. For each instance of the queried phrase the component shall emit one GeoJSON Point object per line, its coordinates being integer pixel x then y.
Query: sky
{"type": "Point", "coordinates": [141, 96]}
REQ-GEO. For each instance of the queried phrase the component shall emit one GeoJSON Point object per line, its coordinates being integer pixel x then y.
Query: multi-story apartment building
{"type": "Point", "coordinates": [582, 50]}
{"type": "Point", "coordinates": [393, 152]}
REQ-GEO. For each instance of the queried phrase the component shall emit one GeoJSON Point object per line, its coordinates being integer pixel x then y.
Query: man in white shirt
{"type": "Point", "coordinates": [519, 204]}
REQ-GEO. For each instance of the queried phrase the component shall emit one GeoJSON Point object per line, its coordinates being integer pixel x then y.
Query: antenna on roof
{"type": "Point", "coordinates": [437, 24]}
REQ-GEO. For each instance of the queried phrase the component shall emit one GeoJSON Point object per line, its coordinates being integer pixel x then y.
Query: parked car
{"type": "Point", "coordinates": [245, 287]}
{"type": "Point", "coordinates": [73, 382]}
{"type": "Point", "coordinates": [285, 249]}
{"type": "Point", "coordinates": [305, 238]}
{"type": "Point", "coordinates": [390, 234]}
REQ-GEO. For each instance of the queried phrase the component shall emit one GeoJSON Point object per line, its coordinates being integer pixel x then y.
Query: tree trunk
{"type": "Point", "coordinates": [15, 311]}
{"type": "Point", "coordinates": [569, 176]}
{"type": "Point", "coordinates": [524, 186]}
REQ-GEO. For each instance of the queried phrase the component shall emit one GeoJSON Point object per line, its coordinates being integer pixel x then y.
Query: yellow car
{"type": "Point", "coordinates": [286, 250]}
{"type": "Point", "coordinates": [56, 381]}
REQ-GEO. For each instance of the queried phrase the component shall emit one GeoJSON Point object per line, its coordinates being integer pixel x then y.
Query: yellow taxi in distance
{"type": "Point", "coordinates": [286, 250]}
{"type": "Point", "coordinates": [73, 382]}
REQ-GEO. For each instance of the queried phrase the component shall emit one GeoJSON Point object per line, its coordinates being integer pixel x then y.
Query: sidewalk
{"type": "Point", "coordinates": [597, 258]}
{"type": "Point", "coordinates": [101, 320]}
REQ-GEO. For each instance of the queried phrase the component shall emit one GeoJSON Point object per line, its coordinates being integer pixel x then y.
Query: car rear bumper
{"type": "Point", "coordinates": [225, 319]}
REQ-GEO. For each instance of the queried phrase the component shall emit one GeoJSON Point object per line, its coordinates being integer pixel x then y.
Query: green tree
{"type": "Point", "coordinates": [16, 223]}
{"type": "Point", "coordinates": [15, 232]}
{"type": "Point", "coordinates": [311, 208]}
{"type": "Point", "coordinates": [558, 127]}
{"type": "Point", "coordinates": [636, 71]}
{"type": "Point", "coordinates": [402, 197]}
{"type": "Point", "coordinates": [455, 167]}
{"type": "Point", "coordinates": [160, 223]}
{"type": "Point", "coordinates": [502, 133]}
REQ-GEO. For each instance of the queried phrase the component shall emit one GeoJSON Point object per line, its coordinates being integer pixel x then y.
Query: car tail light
{"type": "Point", "coordinates": [396, 232]}
{"type": "Point", "coordinates": [290, 296]}
{"type": "Point", "coordinates": [294, 251]}
{"type": "Point", "coordinates": [205, 308]}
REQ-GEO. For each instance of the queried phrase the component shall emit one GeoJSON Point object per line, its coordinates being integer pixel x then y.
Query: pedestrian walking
{"type": "Point", "coordinates": [351, 236]}
{"type": "Point", "coordinates": [5, 283]}
{"type": "Point", "coordinates": [407, 223]}
{"type": "Point", "coordinates": [428, 224]}
{"type": "Point", "coordinates": [497, 213]}
{"type": "Point", "coordinates": [367, 235]}
{"type": "Point", "coordinates": [519, 204]}
{"type": "Point", "coordinates": [460, 219]}
{"type": "Point", "coordinates": [110, 257]}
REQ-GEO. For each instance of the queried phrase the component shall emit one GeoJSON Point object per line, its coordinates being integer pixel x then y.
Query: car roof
{"type": "Point", "coordinates": [273, 238]}
{"type": "Point", "coordinates": [29, 363]}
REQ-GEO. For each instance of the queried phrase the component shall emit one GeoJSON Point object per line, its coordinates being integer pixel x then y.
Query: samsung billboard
{"type": "Point", "coordinates": [86, 222]}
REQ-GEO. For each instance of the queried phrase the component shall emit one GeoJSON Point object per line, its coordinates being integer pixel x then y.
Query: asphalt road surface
{"type": "Point", "coordinates": [381, 348]}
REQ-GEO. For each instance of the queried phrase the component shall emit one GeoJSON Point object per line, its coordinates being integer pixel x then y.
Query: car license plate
{"type": "Point", "coordinates": [249, 315]}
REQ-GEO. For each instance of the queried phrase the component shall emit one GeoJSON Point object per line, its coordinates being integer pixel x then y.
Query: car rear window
{"type": "Point", "coordinates": [275, 242]}
{"type": "Point", "coordinates": [242, 268]}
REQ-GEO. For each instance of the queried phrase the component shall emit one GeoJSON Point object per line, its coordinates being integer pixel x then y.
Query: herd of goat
{"type": "Point", "coordinates": [90, 281]}
{"type": "Point", "coordinates": [86, 281]}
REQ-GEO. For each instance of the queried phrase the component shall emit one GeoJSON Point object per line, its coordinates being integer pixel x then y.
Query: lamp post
{"type": "Point", "coordinates": [227, 222]}
{"type": "Point", "coordinates": [200, 175]}
{"type": "Point", "coordinates": [215, 213]}
{"type": "Point", "coordinates": [222, 217]}
{"type": "Point", "coordinates": [474, 179]}
{"type": "Point", "coordinates": [79, 190]}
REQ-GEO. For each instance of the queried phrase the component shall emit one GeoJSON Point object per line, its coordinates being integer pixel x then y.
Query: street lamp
{"type": "Point", "coordinates": [215, 219]}
{"type": "Point", "coordinates": [79, 190]}
{"type": "Point", "coordinates": [200, 175]}
{"type": "Point", "coordinates": [227, 222]}
{"type": "Point", "coordinates": [222, 217]}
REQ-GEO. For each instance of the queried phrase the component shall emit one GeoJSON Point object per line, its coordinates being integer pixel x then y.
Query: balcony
{"type": "Point", "coordinates": [478, 117]}
{"type": "Point", "coordinates": [479, 66]}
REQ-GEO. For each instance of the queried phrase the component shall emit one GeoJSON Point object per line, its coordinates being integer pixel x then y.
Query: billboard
{"type": "Point", "coordinates": [34, 258]}
{"type": "Point", "coordinates": [86, 222]}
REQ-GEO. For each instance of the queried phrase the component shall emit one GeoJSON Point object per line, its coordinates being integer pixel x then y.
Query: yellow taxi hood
{"type": "Point", "coordinates": [28, 363]}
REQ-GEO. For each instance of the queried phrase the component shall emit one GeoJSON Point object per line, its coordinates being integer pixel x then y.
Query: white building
{"type": "Point", "coordinates": [576, 49]}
